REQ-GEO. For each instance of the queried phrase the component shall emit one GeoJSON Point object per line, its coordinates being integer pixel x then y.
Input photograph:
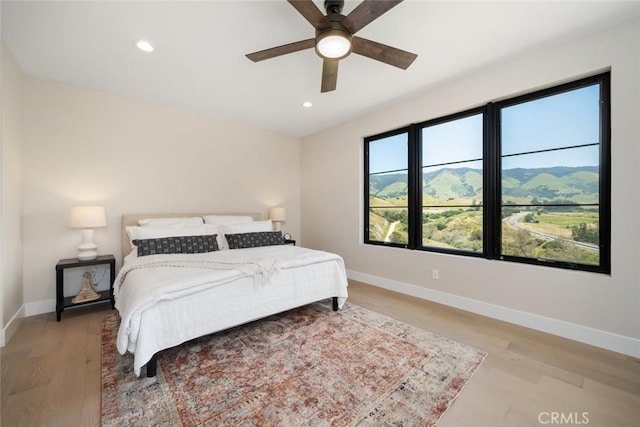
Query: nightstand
{"type": "Point", "coordinates": [289, 242]}
{"type": "Point", "coordinates": [63, 302]}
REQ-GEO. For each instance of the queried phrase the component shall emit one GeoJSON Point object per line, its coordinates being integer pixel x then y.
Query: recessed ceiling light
{"type": "Point", "coordinates": [144, 45]}
{"type": "Point", "coordinates": [307, 104]}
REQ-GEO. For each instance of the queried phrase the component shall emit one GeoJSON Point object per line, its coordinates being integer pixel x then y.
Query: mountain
{"type": "Point", "coordinates": [524, 175]}
{"type": "Point", "coordinates": [463, 183]}
{"type": "Point", "coordinates": [520, 185]}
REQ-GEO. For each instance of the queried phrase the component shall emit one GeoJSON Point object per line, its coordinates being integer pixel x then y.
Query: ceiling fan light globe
{"type": "Point", "coordinates": [333, 45]}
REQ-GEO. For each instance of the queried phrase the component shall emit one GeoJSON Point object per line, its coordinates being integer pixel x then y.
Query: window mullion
{"type": "Point", "coordinates": [366, 191]}
{"type": "Point", "coordinates": [492, 180]}
{"type": "Point", "coordinates": [415, 188]}
{"type": "Point", "coordinates": [605, 173]}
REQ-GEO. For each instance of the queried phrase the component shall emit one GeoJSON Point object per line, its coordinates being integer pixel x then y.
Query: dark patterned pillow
{"type": "Point", "coordinates": [253, 240]}
{"type": "Point", "coordinates": [177, 245]}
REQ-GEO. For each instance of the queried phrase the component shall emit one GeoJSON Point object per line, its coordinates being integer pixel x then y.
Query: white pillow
{"type": "Point", "coordinates": [227, 219]}
{"type": "Point", "coordinates": [136, 233]}
{"type": "Point", "coordinates": [172, 222]}
{"type": "Point", "coordinates": [248, 227]}
{"type": "Point", "coordinates": [132, 255]}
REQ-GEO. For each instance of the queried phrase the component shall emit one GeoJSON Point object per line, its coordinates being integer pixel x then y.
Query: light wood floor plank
{"type": "Point", "coordinates": [51, 370]}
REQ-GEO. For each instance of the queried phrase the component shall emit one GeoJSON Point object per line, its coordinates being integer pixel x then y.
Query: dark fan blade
{"type": "Point", "coordinates": [381, 52]}
{"type": "Point", "coordinates": [281, 50]}
{"type": "Point", "coordinates": [366, 12]}
{"type": "Point", "coordinates": [311, 12]}
{"type": "Point", "coordinates": [329, 75]}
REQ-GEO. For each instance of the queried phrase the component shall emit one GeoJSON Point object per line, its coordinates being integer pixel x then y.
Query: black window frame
{"type": "Point", "coordinates": [418, 141]}
{"type": "Point", "coordinates": [410, 146]}
{"type": "Point", "coordinates": [492, 180]}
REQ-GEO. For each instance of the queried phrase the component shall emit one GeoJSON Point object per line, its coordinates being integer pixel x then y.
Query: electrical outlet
{"type": "Point", "coordinates": [435, 274]}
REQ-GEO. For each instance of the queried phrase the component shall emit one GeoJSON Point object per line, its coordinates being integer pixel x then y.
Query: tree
{"type": "Point", "coordinates": [583, 233]}
{"type": "Point", "coordinates": [519, 243]}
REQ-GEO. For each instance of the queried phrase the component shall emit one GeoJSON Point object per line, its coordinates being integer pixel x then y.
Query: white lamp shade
{"type": "Point", "coordinates": [87, 217]}
{"type": "Point", "coordinates": [278, 214]}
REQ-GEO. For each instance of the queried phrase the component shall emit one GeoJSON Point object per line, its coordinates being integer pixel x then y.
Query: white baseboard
{"type": "Point", "coordinates": [607, 340]}
{"type": "Point", "coordinates": [29, 309]}
{"type": "Point", "coordinates": [12, 326]}
{"type": "Point", "coordinates": [40, 307]}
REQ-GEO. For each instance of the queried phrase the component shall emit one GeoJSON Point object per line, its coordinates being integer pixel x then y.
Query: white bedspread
{"type": "Point", "coordinates": [152, 289]}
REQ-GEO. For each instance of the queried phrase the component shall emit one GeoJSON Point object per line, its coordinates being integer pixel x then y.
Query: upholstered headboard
{"type": "Point", "coordinates": [132, 219]}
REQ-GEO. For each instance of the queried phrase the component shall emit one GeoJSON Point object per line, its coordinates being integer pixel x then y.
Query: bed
{"type": "Point", "coordinates": [165, 299]}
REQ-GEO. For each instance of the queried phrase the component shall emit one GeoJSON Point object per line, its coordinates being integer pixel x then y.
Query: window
{"type": "Point", "coordinates": [524, 179]}
{"type": "Point", "coordinates": [452, 183]}
{"type": "Point", "coordinates": [388, 188]}
{"type": "Point", "coordinates": [550, 176]}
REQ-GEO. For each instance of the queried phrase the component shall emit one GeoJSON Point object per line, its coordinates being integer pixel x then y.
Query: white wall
{"type": "Point", "coordinates": [87, 147]}
{"type": "Point", "coordinates": [600, 309]}
{"type": "Point", "coordinates": [11, 292]}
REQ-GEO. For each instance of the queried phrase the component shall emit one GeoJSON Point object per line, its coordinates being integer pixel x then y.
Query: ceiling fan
{"type": "Point", "coordinates": [335, 37]}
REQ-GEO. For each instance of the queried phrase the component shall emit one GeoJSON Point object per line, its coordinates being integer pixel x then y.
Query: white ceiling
{"type": "Point", "coordinates": [199, 61]}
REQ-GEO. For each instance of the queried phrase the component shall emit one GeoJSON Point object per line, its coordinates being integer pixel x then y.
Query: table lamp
{"type": "Point", "coordinates": [277, 215]}
{"type": "Point", "coordinates": [87, 218]}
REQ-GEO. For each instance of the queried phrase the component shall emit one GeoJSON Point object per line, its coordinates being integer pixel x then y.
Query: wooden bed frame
{"type": "Point", "coordinates": [132, 220]}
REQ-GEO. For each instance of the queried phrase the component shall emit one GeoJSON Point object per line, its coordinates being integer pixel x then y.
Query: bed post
{"type": "Point", "coordinates": [335, 304]}
{"type": "Point", "coordinates": [152, 366]}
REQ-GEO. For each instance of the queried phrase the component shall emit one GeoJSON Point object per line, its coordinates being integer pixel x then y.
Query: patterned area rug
{"type": "Point", "coordinates": [308, 366]}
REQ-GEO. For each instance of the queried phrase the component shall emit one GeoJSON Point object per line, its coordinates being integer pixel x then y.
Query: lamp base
{"type": "Point", "coordinates": [86, 292]}
{"type": "Point", "coordinates": [87, 249]}
{"type": "Point", "coordinates": [87, 254]}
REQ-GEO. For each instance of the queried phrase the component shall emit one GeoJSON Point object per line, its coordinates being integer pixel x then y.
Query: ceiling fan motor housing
{"type": "Point", "coordinates": [333, 6]}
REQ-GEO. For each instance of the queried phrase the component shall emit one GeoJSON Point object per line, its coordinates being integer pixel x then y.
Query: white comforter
{"type": "Point", "coordinates": [153, 289]}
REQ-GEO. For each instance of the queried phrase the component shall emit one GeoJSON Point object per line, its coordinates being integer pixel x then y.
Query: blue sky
{"type": "Point", "coordinates": [453, 141]}
{"type": "Point", "coordinates": [566, 119]}
{"type": "Point", "coordinates": [388, 154]}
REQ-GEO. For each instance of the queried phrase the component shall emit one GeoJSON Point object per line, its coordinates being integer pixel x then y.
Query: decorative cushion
{"type": "Point", "coordinates": [247, 227]}
{"type": "Point", "coordinates": [177, 245]}
{"type": "Point", "coordinates": [139, 233]}
{"type": "Point", "coordinates": [253, 240]}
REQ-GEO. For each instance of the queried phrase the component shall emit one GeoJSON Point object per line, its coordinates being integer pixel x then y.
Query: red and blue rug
{"type": "Point", "coordinates": [307, 366]}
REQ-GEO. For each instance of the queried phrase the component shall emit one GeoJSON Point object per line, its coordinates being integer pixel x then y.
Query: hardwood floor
{"type": "Point", "coordinates": [51, 370]}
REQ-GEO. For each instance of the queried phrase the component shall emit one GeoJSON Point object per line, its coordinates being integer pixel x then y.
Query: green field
{"type": "Point", "coordinates": [561, 223]}
{"type": "Point", "coordinates": [521, 243]}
